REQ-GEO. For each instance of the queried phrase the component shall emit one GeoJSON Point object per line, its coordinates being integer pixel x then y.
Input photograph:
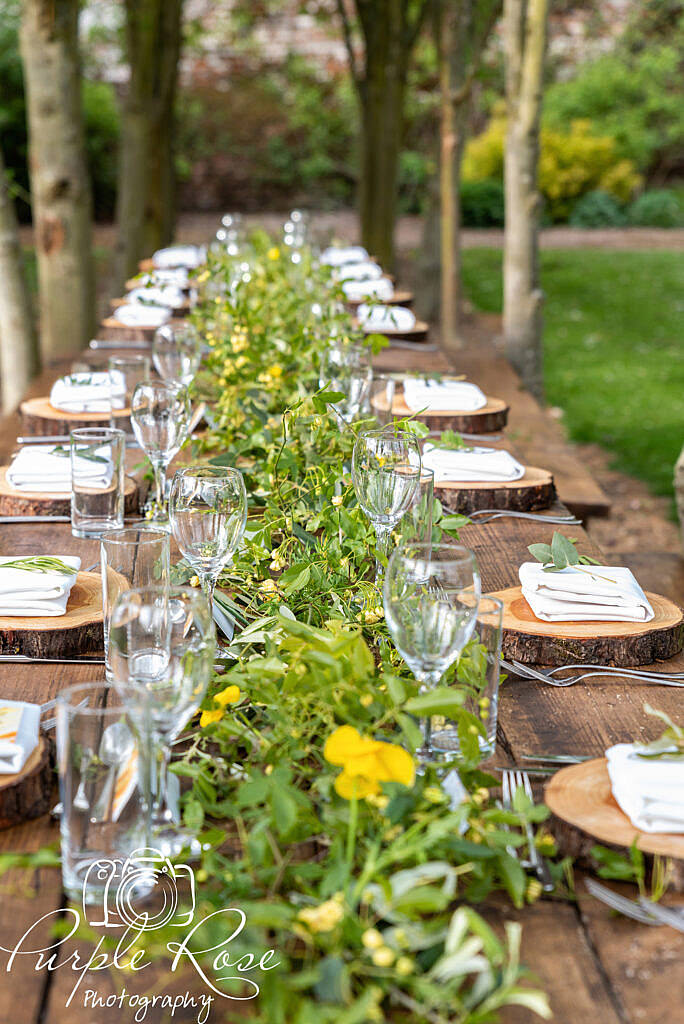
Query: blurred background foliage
{"type": "Point", "coordinates": [612, 149]}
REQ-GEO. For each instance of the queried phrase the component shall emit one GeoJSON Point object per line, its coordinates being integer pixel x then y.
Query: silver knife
{"type": "Point", "coordinates": [26, 659]}
{"type": "Point", "coordinates": [65, 439]}
{"type": "Point", "coordinates": [105, 343]}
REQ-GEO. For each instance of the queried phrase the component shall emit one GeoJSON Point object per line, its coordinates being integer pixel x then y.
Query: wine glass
{"type": "Point", "coordinates": [176, 353]}
{"type": "Point", "coordinates": [160, 413]}
{"type": "Point", "coordinates": [161, 647]}
{"type": "Point", "coordinates": [431, 597]}
{"type": "Point", "coordinates": [386, 477]}
{"type": "Point", "coordinates": [208, 512]}
{"type": "Point", "coordinates": [347, 368]}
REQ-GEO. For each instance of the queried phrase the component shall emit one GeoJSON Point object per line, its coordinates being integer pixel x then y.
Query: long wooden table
{"type": "Point", "coordinates": [594, 966]}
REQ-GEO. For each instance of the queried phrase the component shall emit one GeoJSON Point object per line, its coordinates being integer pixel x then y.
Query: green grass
{"type": "Point", "coordinates": [614, 348]}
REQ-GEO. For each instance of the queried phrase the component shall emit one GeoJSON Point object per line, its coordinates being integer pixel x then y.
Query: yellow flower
{"type": "Point", "coordinates": [275, 371]}
{"type": "Point", "coordinates": [366, 763]}
{"type": "Point", "coordinates": [268, 587]}
{"type": "Point", "coordinates": [337, 500]}
{"type": "Point", "coordinates": [273, 253]}
{"type": "Point", "coordinates": [366, 700]}
{"type": "Point", "coordinates": [238, 342]}
{"type": "Point", "coordinates": [231, 695]}
{"type": "Point", "coordinates": [323, 918]}
{"type": "Point", "coordinates": [404, 966]}
{"type": "Point", "coordinates": [240, 362]}
{"type": "Point", "coordinates": [194, 581]}
{"type": "Point", "coordinates": [209, 717]}
{"type": "Point", "coordinates": [372, 939]}
{"type": "Point", "coordinates": [383, 957]}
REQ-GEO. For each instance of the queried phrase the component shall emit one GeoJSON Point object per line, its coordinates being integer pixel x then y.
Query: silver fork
{"type": "Point", "coordinates": [518, 668]}
{"type": "Point", "coordinates": [644, 912]}
{"type": "Point", "coordinates": [665, 915]}
{"type": "Point", "coordinates": [494, 513]}
{"type": "Point", "coordinates": [612, 668]}
{"type": "Point", "coordinates": [511, 781]}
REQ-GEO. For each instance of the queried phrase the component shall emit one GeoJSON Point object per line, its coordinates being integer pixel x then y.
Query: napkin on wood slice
{"type": "Point", "coordinates": [19, 723]}
{"type": "Point", "coordinates": [366, 271]}
{"type": "Point", "coordinates": [385, 318]}
{"type": "Point", "coordinates": [188, 256]}
{"type": "Point", "coordinates": [443, 396]}
{"type": "Point", "coordinates": [135, 314]}
{"type": "Point", "coordinates": [39, 468]}
{"type": "Point", "coordinates": [483, 464]}
{"type": "Point", "coordinates": [604, 593]}
{"type": "Point", "coordinates": [36, 594]}
{"type": "Point", "coordinates": [338, 255]}
{"type": "Point", "coordinates": [649, 791]}
{"type": "Point", "coordinates": [168, 295]}
{"type": "Point", "coordinates": [382, 289]}
{"type": "Point", "coordinates": [82, 392]}
{"type": "Point", "coordinates": [176, 276]}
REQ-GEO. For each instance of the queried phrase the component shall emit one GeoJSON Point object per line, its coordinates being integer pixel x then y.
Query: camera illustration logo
{"type": "Point", "coordinates": [140, 892]}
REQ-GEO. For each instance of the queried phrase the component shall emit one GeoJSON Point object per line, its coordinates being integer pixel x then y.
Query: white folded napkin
{"type": "Point", "coordinates": [177, 276]}
{"type": "Point", "coordinates": [168, 295]}
{"type": "Point", "coordinates": [446, 395]}
{"type": "Point", "coordinates": [188, 256]}
{"type": "Point", "coordinates": [366, 271]}
{"type": "Point", "coordinates": [19, 723]}
{"type": "Point", "coordinates": [82, 392]}
{"type": "Point", "coordinates": [605, 593]}
{"type": "Point", "coordinates": [382, 289]}
{"type": "Point", "coordinates": [26, 593]}
{"type": "Point", "coordinates": [139, 315]}
{"type": "Point", "coordinates": [47, 468]}
{"type": "Point", "coordinates": [338, 255]}
{"type": "Point", "coordinates": [471, 464]}
{"type": "Point", "coordinates": [385, 318]}
{"type": "Point", "coordinates": [650, 792]}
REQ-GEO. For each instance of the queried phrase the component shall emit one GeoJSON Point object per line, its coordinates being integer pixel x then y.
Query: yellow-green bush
{"type": "Point", "coordinates": [570, 164]}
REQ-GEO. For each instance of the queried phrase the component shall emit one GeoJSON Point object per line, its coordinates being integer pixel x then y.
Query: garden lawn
{"type": "Point", "coordinates": [614, 348]}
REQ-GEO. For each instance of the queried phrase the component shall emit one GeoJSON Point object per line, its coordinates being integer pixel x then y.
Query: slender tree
{"type": "Point", "coordinates": [60, 188]}
{"type": "Point", "coordinates": [525, 31]}
{"type": "Point", "coordinates": [18, 342]}
{"type": "Point", "coordinates": [389, 30]}
{"type": "Point", "coordinates": [146, 195]}
{"type": "Point", "coordinates": [463, 27]}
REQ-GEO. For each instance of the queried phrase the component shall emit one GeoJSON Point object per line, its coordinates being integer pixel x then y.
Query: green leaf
{"type": "Point", "coordinates": [563, 550]}
{"type": "Point", "coordinates": [444, 700]}
{"type": "Point", "coordinates": [542, 552]}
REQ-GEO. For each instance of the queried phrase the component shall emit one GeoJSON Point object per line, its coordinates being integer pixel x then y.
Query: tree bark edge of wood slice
{"type": "Point", "coordinates": [620, 644]}
{"type": "Point", "coordinates": [581, 795]}
{"type": "Point", "coordinates": [535, 490]}
{"type": "Point", "coordinates": [39, 417]}
{"type": "Point", "coordinates": [79, 631]}
{"type": "Point", "coordinates": [179, 311]}
{"type": "Point", "coordinates": [28, 793]}
{"type": "Point", "coordinates": [490, 419]}
{"type": "Point", "coordinates": [401, 297]}
{"type": "Point", "coordinates": [112, 330]}
{"type": "Point", "coordinates": [419, 334]}
{"type": "Point", "coordinates": [42, 503]}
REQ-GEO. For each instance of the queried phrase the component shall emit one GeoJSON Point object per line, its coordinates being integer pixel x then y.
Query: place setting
{"type": "Point", "coordinates": [445, 403]}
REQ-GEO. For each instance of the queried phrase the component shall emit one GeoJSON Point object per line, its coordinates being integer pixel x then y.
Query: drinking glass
{"type": "Point", "coordinates": [125, 373]}
{"type": "Point", "coordinates": [97, 480]}
{"type": "Point", "coordinates": [161, 648]}
{"type": "Point", "coordinates": [431, 595]}
{"type": "Point", "coordinates": [381, 397]}
{"type": "Point", "coordinates": [160, 412]}
{"type": "Point", "coordinates": [386, 476]}
{"type": "Point", "coordinates": [208, 512]}
{"type": "Point", "coordinates": [347, 368]}
{"type": "Point", "coordinates": [416, 525]}
{"type": "Point", "coordinates": [103, 815]}
{"type": "Point", "coordinates": [136, 556]}
{"type": "Point", "coordinates": [479, 670]}
{"type": "Point", "coordinates": [176, 353]}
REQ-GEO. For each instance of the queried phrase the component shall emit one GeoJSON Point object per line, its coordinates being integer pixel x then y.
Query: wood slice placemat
{"type": "Point", "coordinates": [532, 491]}
{"type": "Point", "coordinates": [28, 793]}
{"type": "Point", "coordinates": [418, 333]}
{"type": "Point", "coordinates": [112, 329]}
{"type": "Point", "coordinates": [533, 641]}
{"type": "Point", "coordinates": [43, 503]}
{"type": "Point", "coordinates": [178, 311]}
{"type": "Point", "coordinates": [80, 631]}
{"type": "Point", "coordinates": [487, 420]}
{"type": "Point", "coordinates": [582, 796]}
{"type": "Point", "coordinates": [39, 417]}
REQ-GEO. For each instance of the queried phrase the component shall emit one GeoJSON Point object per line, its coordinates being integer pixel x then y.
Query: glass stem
{"type": "Point", "coordinates": [382, 535]}
{"type": "Point", "coordinates": [159, 763]}
{"type": "Point", "coordinates": [208, 584]}
{"type": "Point", "coordinates": [159, 483]}
{"type": "Point", "coordinates": [428, 681]}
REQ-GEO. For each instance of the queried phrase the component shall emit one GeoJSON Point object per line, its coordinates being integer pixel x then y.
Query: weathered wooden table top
{"type": "Point", "coordinates": [596, 967]}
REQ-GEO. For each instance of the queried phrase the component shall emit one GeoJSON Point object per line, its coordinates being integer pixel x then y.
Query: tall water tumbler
{"type": "Point", "coordinates": [97, 480]}
{"type": "Point", "coordinates": [131, 558]}
{"type": "Point", "coordinates": [125, 373]}
{"type": "Point", "coordinates": [416, 524]}
{"type": "Point", "coordinates": [103, 820]}
{"type": "Point", "coordinates": [479, 670]}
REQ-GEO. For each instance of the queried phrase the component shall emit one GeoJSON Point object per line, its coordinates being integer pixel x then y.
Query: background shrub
{"type": "Point", "coordinates": [482, 204]}
{"type": "Point", "coordinates": [597, 209]}
{"type": "Point", "coordinates": [658, 208]}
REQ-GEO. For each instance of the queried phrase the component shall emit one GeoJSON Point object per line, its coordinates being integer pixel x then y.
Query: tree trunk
{"type": "Point", "coordinates": [524, 46]}
{"type": "Point", "coordinates": [382, 128]}
{"type": "Point", "coordinates": [679, 491]}
{"type": "Point", "coordinates": [18, 342]}
{"type": "Point", "coordinates": [146, 195]}
{"type": "Point", "coordinates": [60, 188]}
